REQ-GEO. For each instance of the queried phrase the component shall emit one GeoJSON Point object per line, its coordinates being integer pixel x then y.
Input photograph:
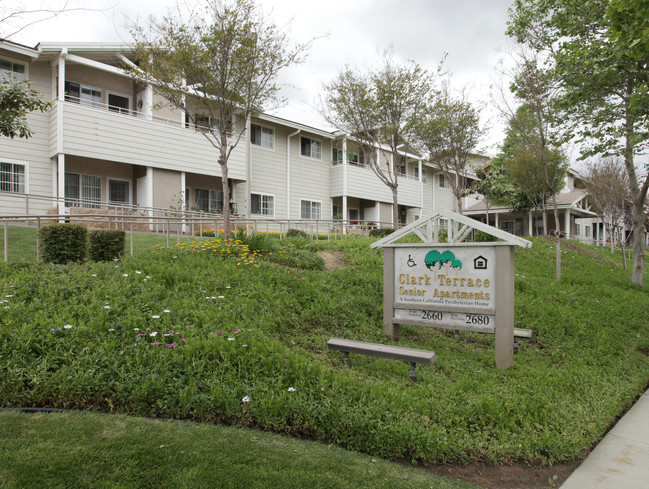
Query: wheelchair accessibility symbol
{"type": "Point", "coordinates": [411, 263]}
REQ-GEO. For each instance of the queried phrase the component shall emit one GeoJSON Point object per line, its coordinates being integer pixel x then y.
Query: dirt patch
{"type": "Point", "coordinates": [507, 476]}
{"type": "Point", "coordinates": [333, 260]}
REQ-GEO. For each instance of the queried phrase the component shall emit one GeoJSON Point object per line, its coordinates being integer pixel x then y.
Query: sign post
{"type": "Point", "coordinates": [451, 285]}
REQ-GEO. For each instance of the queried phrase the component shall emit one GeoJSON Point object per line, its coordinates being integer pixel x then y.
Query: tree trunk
{"type": "Point", "coordinates": [395, 207]}
{"type": "Point", "coordinates": [226, 200]}
{"type": "Point", "coordinates": [637, 275]}
{"type": "Point", "coordinates": [557, 236]}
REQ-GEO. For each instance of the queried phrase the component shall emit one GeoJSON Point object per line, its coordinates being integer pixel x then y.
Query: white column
{"type": "Point", "coordinates": [59, 133]}
{"type": "Point", "coordinates": [61, 182]}
{"type": "Point", "coordinates": [148, 103]}
{"type": "Point", "coordinates": [566, 224]}
{"type": "Point", "coordinates": [597, 232]}
{"type": "Point", "coordinates": [345, 214]}
{"type": "Point", "coordinates": [497, 220]}
{"type": "Point", "coordinates": [530, 225]}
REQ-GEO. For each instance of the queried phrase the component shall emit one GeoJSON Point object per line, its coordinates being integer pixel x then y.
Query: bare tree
{"type": "Point", "coordinates": [607, 183]}
{"type": "Point", "coordinates": [379, 109]}
{"type": "Point", "coordinates": [449, 132]}
{"type": "Point", "coordinates": [15, 18]}
{"type": "Point", "coordinates": [219, 67]}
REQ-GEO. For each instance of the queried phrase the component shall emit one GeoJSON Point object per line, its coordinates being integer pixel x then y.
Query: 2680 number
{"type": "Point", "coordinates": [476, 319]}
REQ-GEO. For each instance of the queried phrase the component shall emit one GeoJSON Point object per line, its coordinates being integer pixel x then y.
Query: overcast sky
{"type": "Point", "coordinates": [351, 32]}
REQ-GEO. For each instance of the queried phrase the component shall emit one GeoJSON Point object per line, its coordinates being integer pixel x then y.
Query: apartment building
{"type": "Point", "coordinates": [111, 141]}
{"type": "Point", "coordinates": [576, 217]}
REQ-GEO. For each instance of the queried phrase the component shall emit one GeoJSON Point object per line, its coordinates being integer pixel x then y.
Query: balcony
{"type": "Point", "coordinates": [117, 134]}
{"type": "Point", "coordinates": [364, 184]}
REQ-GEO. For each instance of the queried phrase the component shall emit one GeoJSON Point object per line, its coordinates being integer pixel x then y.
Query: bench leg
{"type": "Point", "coordinates": [413, 372]}
{"type": "Point", "coordinates": [515, 346]}
{"type": "Point", "coordinates": [346, 360]}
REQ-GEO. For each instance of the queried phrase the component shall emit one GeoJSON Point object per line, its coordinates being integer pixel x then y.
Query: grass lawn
{"type": "Point", "coordinates": [228, 334]}
{"type": "Point", "coordinates": [99, 451]}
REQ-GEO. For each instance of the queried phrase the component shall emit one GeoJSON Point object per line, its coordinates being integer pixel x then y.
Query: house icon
{"type": "Point", "coordinates": [480, 263]}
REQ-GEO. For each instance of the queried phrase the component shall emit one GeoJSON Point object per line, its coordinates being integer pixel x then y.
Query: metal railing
{"type": "Point", "coordinates": [184, 225]}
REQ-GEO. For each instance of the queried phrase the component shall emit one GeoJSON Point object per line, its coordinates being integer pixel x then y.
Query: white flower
{"type": "Point", "coordinates": [153, 334]}
{"type": "Point", "coordinates": [7, 307]}
{"type": "Point", "coordinates": [155, 317]}
{"type": "Point", "coordinates": [245, 399]}
{"type": "Point", "coordinates": [10, 295]}
{"type": "Point", "coordinates": [125, 275]}
{"type": "Point", "coordinates": [228, 287]}
{"type": "Point", "coordinates": [166, 310]}
{"type": "Point", "coordinates": [106, 307]}
{"type": "Point", "coordinates": [136, 329]}
{"type": "Point", "coordinates": [94, 275]}
{"type": "Point", "coordinates": [291, 389]}
{"type": "Point", "coordinates": [147, 276]}
{"type": "Point", "coordinates": [138, 272]}
{"type": "Point", "coordinates": [230, 339]}
{"type": "Point", "coordinates": [221, 297]}
{"type": "Point", "coordinates": [67, 326]}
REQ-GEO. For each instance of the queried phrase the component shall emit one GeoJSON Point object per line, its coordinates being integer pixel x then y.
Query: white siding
{"type": "Point", "coordinates": [105, 135]}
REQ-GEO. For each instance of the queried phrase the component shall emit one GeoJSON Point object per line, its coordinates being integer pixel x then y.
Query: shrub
{"type": "Point", "coordinates": [482, 237]}
{"type": "Point", "coordinates": [292, 233]}
{"type": "Point", "coordinates": [106, 245]}
{"type": "Point", "coordinates": [63, 243]}
{"type": "Point", "coordinates": [381, 233]}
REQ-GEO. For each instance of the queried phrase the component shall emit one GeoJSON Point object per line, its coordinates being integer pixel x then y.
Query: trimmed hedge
{"type": "Point", "coordinates": [63, 243]}
{"type": "Point", "coordinates": [292, 233]}
{"type": "Point", "coordinates": [106, 245]}
{"type": "Point", "coordinates": [381, 233]}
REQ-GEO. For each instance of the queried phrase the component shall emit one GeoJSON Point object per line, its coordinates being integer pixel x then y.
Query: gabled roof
{"type": "Point", "coordinates": [565, 200]}
{"type": "Point", "coordinates": [428, 227]}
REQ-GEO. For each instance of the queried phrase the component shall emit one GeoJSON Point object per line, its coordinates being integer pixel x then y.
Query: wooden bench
{"type": "Point", "coordinates": [411, 355]}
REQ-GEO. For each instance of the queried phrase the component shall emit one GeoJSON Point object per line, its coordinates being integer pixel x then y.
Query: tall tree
{"type": "Point", "coordinates": [379, 109]}
{"type": "Point", "coordinates": [449, 132]}
{"type": "Point", "coordinates": [598, 50]}
{"type": "Point", "coordinates": [219, 67]}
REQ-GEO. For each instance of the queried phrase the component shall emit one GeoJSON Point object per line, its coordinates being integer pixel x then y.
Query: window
{"type": "Point", "coordinates": [208, 200]}
{"type": "Point", "coordinates": [443, 183]}
{"type": "Point", "coordinates": [262, 136]}
{"type": "Point", "coordinates": [118, 192]}
{"type": "Point", "coordinates": [262, 204]}
{"type": "Point", "coordinates": [12, 178]}
{"type": "Point", "coordinates": [118, 103]}
{"type": "Point", "coordinates": [336, 156]}
{"type": "Point", "coordinates": [82, 94]}
{"type": "Point", "coordinates": [443, 224]}
{"type": "Point", "coordinates": [84, 187]}
{"type": "Point", "coordinates": [353, 215]}
{"type": "Point", "coordinates": [337, 211]}
{"type": "Point", "coordinates": [310, 147]}
{"type": "Point", "coordinates": [11, 72]}
{"type": "Point", "coordinates": [310, 209]}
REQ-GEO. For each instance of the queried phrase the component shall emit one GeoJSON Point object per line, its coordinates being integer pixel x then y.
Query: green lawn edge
{"type": "Point", "coordinates": [83, 449]}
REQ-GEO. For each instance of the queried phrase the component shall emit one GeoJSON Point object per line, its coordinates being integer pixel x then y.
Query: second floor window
{"type": "Point", "coordinates": [74, 92]}
{"type": "Point", "coordinates": [10, 71]}
{"type": "Point", "coordinates": [443, 182]}
{"type": "Point", "coordinates": [310, 147]}
{"type": "Point", "coordinates": [262, 136]}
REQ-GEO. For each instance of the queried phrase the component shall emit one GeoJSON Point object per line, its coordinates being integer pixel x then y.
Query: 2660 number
{"type": "Point", "coordinates": [432, 315]}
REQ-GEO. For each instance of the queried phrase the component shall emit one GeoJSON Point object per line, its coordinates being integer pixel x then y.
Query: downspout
{"type": "Point", "coordinates": [288, 172]}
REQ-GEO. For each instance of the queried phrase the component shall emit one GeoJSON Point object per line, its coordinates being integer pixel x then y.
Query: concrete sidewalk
{"type": "Point", "coordinates": [621, 459]}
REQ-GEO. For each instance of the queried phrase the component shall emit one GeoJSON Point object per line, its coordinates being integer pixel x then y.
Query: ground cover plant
{"type": "Point", "coordinates": [218, 336]}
